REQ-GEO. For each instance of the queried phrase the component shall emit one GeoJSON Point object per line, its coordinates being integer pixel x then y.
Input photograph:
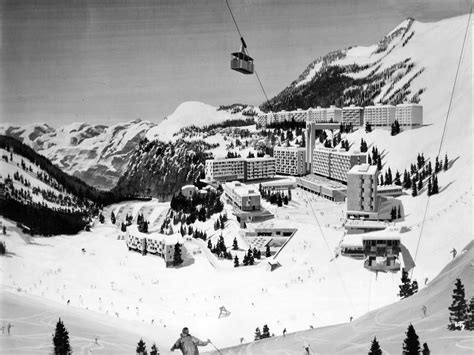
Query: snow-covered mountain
{"type": "Point", "coordinates": [95, 153]}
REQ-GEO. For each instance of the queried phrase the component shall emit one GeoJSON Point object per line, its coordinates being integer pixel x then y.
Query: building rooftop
{"type": "Point", "coordinates": [242, 189]}
{"type": "Point", "coordinates": [322, 181]}
{"type": "Point", "coordinates": [167, 239]}
{"type": "Point", "coordinates": [265, 158]}
{"type": "Point", "coordinates": [282, 182]}
{"type": "Point", "coordinates": [389, 187]}
{"type": "Point", "coordinates": [289, 148]}
{"type": "Point", "coordinates": [338, 151]}
{"type": "Point", "coordinates": [363, 169]}
{"type": "Point", "coordinates": [361, 223]}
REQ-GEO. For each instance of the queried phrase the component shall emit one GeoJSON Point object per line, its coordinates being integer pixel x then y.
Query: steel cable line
{"type": "Point", "coordinates": [444, 131]}
{"type": "Point", "coordinates": [245, 49]}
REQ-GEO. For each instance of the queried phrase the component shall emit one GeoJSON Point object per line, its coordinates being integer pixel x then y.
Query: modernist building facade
{"type": "Point", "coordinates": [334, 163]}
{"type": "Point", "coordinates": [242, 196]}
{"type": "Point", "coordinates": [290, 160]}
{"type": "Point", "coordinates": [155, 243]}
{"type": "Point", "coordinates": [409, 114]}
{"type": "Point", "coordinates": [353, 115]}
{"type": "Point", "coordinates": [379, 115]}
{"type": "Point", "coordinates": [362, 198]}
{"type": "Point", "coordinates": [240, 169]}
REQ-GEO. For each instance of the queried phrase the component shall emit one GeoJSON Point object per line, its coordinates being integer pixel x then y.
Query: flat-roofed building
{"type": "Point", "coordinates": [244, 197]}
{"type": "Point", "coordinates": [323, 187]}
{"type": "Point", "coordinates": [379, 115]}
{"type": "Point", "coordinates": [317, 114]}
{"type": "Point", "coordinates": [334, 163]}
{"type": "Point", "coordinates": [290, 160]}
{"type": "Point", "coordinates": [225, 169]}
{"type": "Point", "coordinates": [409, 114]}
{"type": "Point", "coordinates": [353, 115]}
{"type": "Point", "coordinates": [362, 198]}
{"type": "Point", "coordinates": [299, 115]}
{"type": "Point", "coordinates": [259, 168]}
{"type": "Point", "coordinates": [334, 114]}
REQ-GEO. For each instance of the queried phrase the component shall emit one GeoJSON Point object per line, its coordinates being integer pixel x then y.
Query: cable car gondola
{"type": "Point", "coordinates": [241, 61]}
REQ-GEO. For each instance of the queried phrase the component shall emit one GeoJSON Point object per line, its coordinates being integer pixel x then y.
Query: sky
{"type": "Point", "coordinates": [110, 61]}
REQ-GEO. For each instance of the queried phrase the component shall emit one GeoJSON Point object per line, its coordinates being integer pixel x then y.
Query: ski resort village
{"type": "Point", "coordinates": [333, 218]}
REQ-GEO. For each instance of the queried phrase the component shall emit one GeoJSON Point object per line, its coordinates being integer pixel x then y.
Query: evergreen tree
{"type": "Point", "coordinates": [405, 287]}
{"type": "Point", "coordinates": [414, 287]}
{"type": "Point", "coordinates": [420, 183]}
{"type": "Point", "coordinates": [368, 127]}
{"type": "Point", "coordinates": [209, 244]}
{"type": "Point", "coordinates": [235, 246]}
{"type": "Point", "coordinates": [177, 260]}
{"type": "Point", "coordinates": [399, 212]}
{"type": "Point", "coordinates": [429, 187]}
{"type": "Point", "coordinates": [236, 261]}
{"type": "Point", "coordinates": [445, 167]}
{"type": "Point", "coordinates": [458, 309]}
{"type": "Point", "coordinates": [382, 182]}
{"type": "Point", "coordinates": [369, 160]}
{"type": "Point", "coordinates": [426, 349]}
{"type": "Point", "coordinates": [258, 335]}
{"type": "Point", "coordinates": [101, 218]}
{"type": "Point", "coordinates": [379, 163]}
{"type": "Point", "coordinates": [411, 344]}
{"type": "Point", "coordinates": [375, 348]}
{"type": "Point", "coordinates": [154, 350]}
{"type": "Point", "coordinates": [469, 322]}
{"type": "Point", "coordinates": [289, 194]}
{"type": "Point", "coordinates": [435, 189]}
{"type": "Point", "coordinates": [141, 348]}
{"type": "Point", "coordinates": [123, 227]}
{"type": "Point", "coordinates": [265, 332]}
{"type": "Point", "coordinates": [112, 217]}
{"type": "Point", "coordinates": [267, 251]}
{"type": "Point", "coordinates": [61, 339]}
{"type": "Point", "coordinates": [393, 213]}
{"type": "Point", "coordinates": [250, 257]}
{"type": "Point", "coordinates": [437, 166]}
{"type": "Point", "coordinates": [285, 200]}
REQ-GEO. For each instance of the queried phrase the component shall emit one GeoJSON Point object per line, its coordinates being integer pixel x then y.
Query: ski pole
{"type": "Point", "coordinates": [215, 347]}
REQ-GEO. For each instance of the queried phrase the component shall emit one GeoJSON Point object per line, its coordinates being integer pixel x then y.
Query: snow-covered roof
{"type": "Point", "coordinates": [164, 238]}
{"type": "Point", "coordinates": [363, 169]}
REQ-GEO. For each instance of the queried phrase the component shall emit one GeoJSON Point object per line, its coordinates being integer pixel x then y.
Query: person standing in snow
{"type": "Point", "coordinates": [188, 344]}
{"type": "Point", "coordinates": [454, 252]}
{"type": "Point", "coordinates": [424, 308]}
{"type": "Point", "coordinates": [306, 348]}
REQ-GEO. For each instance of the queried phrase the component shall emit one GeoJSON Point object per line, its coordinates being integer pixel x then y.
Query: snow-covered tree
{"type": "Point", "coordinates": [112, 217]}
{"type": "Point", "coordinates": [235, 245]}
{"type": "Point", "coordinates": [154, 350]}
{"type": "Point", "coordinates": [406, 289]}
{"type": "Point", "coordinates": [265, 332]}
{"type": "Point", "coordinates": [236, 261]}
{"type": "Point", "coordinates": [141, 348]}
{"type": "Point", "coordinates": [258, 334]}
{"type": "Point", "coordinates": [469, 322]}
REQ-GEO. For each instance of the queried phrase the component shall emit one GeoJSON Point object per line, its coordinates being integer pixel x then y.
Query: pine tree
{"type": "Point", "coordinates": [265, 332]}
{"type": "Point", "coordinates": [379, 163]}
{"type": "Point", "coordinates": [177, 259]}
{"type": "Point", "coordinates": [112, 217]}
{"type": "Point", "coordinates": [411, 344]}
{"type": "Point", "coordinates": [141, 348]}
{"type": "Point", "coordinates": [250, 257]}
{"type": "Point", "coordinates": [458, 309]}
{"type": "Point", "coordinates": [414, 191]}
{"type": "Point", "coordinates": [445, 167]}
{"type": "Point", "coordinates": [267, 251]}
{"type": "Point", "coordinates": [405, 287]}
{"type": "Point", "coordinates": [435, 189]}
{"type": "Point", "coordinates": [399, 212]}
{"type": "Point", "coordinates": [420, 184]}
{"type": "Point", "coordinates": [469, 322]}
{"type": "Point", "coordinates": [236, 261]}
{"type": "Point", "coordinates": [414, 287]}
{"type": "Point", "coordinates": [101, 218]}
{"type": "Point", "coordinates": [154, 350]}
{"type": "Point", "coordinates": [61, 339]}
{"type": "Point", "coordinates": [429, 187]}
{"type": "Point", "coordinates": [375, 348]}
{"type": "Point", "coordinates": [258, 335]}
{"type": "Point", "coordinates": [368, 127]}
{"type": "Point", "coordinates": [397, 179]}
{"type": "Point", "coordinates": [393, 213]}
{"type": "Point", "coordinates": [123, 227]}
{"type": "Point", "coordinates": [209, 244]}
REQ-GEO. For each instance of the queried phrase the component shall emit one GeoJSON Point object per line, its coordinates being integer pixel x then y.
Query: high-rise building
{"type": "Point", "coordinates": [362, 198]}
{"type": "Point", "coordinates": [334, 163]}
{"type": "Point", "coordinates": [240, 169]}
{"type": "Point", "coordinates": [316, 115]}
{"type": "Point", "coordinates": [379, 115]}
{"type": "Point", "coordinates": [259, 168]}
{"type": "Point", "coordinates": [353, 115]}
{"type": "Point", "coordinates": [409, 114]}
{"type": "Point", "coordinates": [334, 114]}
{"type": "Point", "coordinates": [225, 169]}
{"type": "Point", "coordinates": [290, 160]}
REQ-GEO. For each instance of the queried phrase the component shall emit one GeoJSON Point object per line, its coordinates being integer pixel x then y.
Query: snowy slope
{"type": "Point", "coordinates": [189, 113]}
{"type": "Point", "coordinates": [389, 323]}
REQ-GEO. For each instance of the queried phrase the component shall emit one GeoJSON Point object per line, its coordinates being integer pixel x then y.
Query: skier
{"type": "Point", "coordinates": [306, 348]}
{"type": "Point", "coordinates": [426, 350]}
{"type": "Point", "coordinates": [424, 308]}
{"type": "Point", "coordinates": [188, 344]}
{"type": "Point", "coordinates": [350, 319]}
{"type": "Point", "coordinates": [454, 252]}
{"type": "Point", "coordinates": [284, 332]}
